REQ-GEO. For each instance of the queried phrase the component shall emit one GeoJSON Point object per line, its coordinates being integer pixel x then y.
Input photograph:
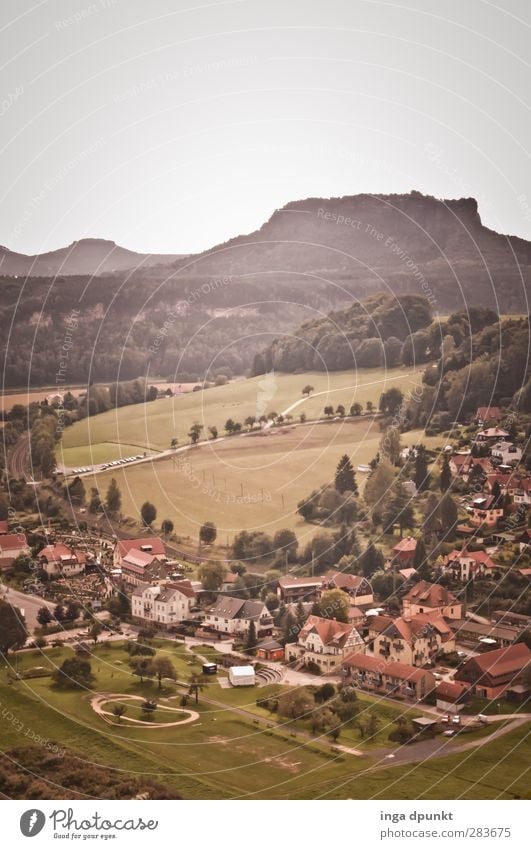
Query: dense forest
{"type": "Point", "coordinates": [85, 329]}
{"type": "Point", "coordinates": [472, 357]}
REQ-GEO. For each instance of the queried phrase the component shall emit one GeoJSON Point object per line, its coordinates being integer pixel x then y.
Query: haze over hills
{"type": "Point", "coordinates": [366, 237]}
{"type": "Point", "coordinates": [347, 233]}
{"type": "Point", "coordinates": [86, 256]}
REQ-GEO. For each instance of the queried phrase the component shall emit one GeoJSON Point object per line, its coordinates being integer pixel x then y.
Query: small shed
{"type": "Point", "coordinates": [242, 676]}
{"type": "Point", "coordinates": [451, 696]}
{"type": "Point", "coordinates": [424, 723]}
{"type": "Point", "coordinates": [270, 649]}
{"type": "Point", "coordinates": [210, 668]}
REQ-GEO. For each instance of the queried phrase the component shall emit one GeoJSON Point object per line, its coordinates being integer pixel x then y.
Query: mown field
{"type": "Point", "coordinates": [247, 483]}
{"type": "Point", "coordinates": [154, 425]}
{"type": "Point", "coordinates": [228, 754]}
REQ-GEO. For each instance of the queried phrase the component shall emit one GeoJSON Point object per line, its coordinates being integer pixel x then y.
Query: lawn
{"type": "Point", "coordinates": [248, 483]}
{"type": "Point", "coordinates": [227, 755]}
{"type": "Point", "coordinates": [155, 424]}
{"type": "Point", "coordinates": [496, 770]}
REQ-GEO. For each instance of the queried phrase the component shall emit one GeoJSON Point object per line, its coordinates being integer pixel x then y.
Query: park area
{"type": "Point", "coordinates": [230, 747]}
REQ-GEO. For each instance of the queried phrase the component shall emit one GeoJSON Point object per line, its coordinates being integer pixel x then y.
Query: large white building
{"type": "Point", "coordinates": [163, 605]}
{"type": "Point", "coordinates": [234, 616]}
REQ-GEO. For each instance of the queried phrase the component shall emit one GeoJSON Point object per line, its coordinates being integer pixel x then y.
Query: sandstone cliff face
{"type": "Point", "coordinates": [352, 232]}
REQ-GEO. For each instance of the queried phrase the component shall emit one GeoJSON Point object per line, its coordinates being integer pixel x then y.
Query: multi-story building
{"type": "Point", "coordinates": [325, 643]}
{"type": "Point", "coordinates": [465, 565]}
{"type": "Point", "coordinates": [392, 678]}
{"type": "Point", "coordinates": [424, 597]}
{"type": "Point", "coordinates": [485, 510]}
{"type": "Point", "coordinates": [294, 589]}
{"type": "Point", "coordinates": [234, 616]}
{"type": "Point", "coordinates": [59, 559]}
{"type": "Point", "coordinates": [141, 561]}
{"type": "Point", "coordinates": [163, 605]}
{"type": "Point", "coordinates": [356, 586]}
{"type": "Point", "coordinates": [413, 641]}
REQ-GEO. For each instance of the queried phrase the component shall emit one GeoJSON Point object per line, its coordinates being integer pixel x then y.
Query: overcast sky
{"type": "Point", "coordinates": [173, 125]}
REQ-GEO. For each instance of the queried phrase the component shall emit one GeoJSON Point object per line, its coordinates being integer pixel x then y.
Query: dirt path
{"type": "Point", "coordinates": [101, 699]}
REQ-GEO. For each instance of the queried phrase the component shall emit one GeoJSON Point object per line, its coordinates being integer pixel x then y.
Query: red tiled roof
{"type": "Point", "coordinates": [55, 553]}
{"type": "Point", "coordinates": [343, 580]}
{"type": "Point", "coordinates": [477, 556]}
{"type": "Point", "coordinates": [493, 432]}
{"type": "Point", "coordinates": [366, 662]}
{"type": "Point", "coordinates": [4, 526]}
{"type": "Point", "coordinates": [501, 661]}
{"type": "Point", "coordinates": [156, 545]}
{"type": "Point", "coordinates": [8, 542]}
{"type": "Point", "coordinates": [378, 623]}
{"type": "Point", "coordinates": [461, 459]}
{"type": "Point", "coordinates": [406, 672]}
{"type": "Point", "coordinates": [393, 668]}
{"type": "Point", "coordinates": [329, 630]}
{"type": "Point", "coordinates": [408, 572]}
{"type": "Point", "coordinates": [432, 595]}
{"type": "Point", "coordinates": [184, 587]}
{"type": "Point", "coordinates": [486, 413]}
{"type": "Point", "coordinates": [407, 544]}
{"type": "Point", "coordinates": [450, 691]}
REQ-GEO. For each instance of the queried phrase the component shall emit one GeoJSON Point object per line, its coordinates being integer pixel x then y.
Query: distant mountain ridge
{"type": "Point", "coordinates": [357, 245]}
{"type": "Point", "coordinates": [352, 232]}
{"type": "Point", "coordinates": [86, 256]}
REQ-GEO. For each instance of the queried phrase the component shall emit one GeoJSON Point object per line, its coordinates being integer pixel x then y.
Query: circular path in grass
{"type": "Point", "coordinates": [101, 699]}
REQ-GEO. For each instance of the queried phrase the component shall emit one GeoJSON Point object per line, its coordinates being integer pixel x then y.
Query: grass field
{"type": "Point", "coordinates": [224, 754]}
{"type": "Point", "coordinates": [250, 482]}
{"type": "Point", "coordinates": [154, 425]}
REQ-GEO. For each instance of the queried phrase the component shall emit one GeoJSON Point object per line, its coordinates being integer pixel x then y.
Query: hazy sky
{"type": "Point", "coordinates": [172, 125]}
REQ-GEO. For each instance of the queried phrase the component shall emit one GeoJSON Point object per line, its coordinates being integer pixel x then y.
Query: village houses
{"type": "Point", "coordinates": [325, 643]}
{"type": "Point", "coordinates": [59, 559]}
{"type": "Point", "coordinates": [465, 565]}
{"type": "Point", "coordinates": [496, 673]}
{"type": "Point", "coordinates": [391, 678]}
{"type": "Point", "coordinates": [164, 604]}
{"type": "Point", "coordinates": [234, 616]}
{"type": "Point", "coordinates": [424, 597]}
{"type": "Point", "coordinates": [412, 640]}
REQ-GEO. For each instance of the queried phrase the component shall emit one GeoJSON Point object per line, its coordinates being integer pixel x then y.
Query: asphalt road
{"type": "Point", "coordinates": [30, 604]}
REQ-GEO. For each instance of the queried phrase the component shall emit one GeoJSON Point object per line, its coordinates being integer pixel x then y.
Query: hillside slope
{"type": "Point", "coordinates": [86, 256]}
